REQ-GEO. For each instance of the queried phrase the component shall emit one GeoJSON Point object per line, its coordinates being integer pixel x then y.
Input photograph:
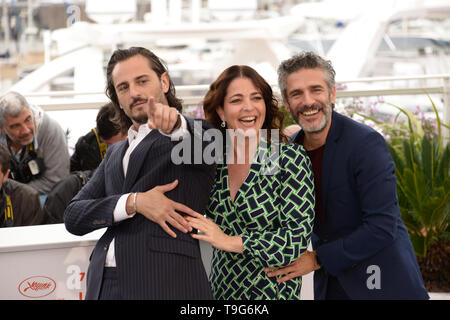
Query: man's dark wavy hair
{"type": "Point", "coordinates": [155, 63]}
{"type": "Point", "coordinates": [107, 127]}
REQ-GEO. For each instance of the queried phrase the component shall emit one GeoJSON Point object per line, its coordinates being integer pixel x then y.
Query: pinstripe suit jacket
{"type": "Point", "coordinates": [150, 263]}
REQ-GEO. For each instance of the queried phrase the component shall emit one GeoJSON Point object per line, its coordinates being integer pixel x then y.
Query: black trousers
{"type": "Point", "coordinates": [110, 286]}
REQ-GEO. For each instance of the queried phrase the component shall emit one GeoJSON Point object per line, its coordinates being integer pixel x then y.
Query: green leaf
{"type": "Point", "coordinates": [418, 243]}
{"type": "Point", "coordinates": [427, 164]}
{"type": "Point", "coordinates": [415, 127]}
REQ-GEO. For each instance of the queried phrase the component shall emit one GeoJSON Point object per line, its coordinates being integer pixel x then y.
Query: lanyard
{"type": "Point", "coordinates": [102, 147]}
{"type": "Point", "coordinates": [8, 209]}
{"type": "Point", "coordinates": [20, 155]}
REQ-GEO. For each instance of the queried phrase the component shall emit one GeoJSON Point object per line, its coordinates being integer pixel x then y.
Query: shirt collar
{"type": "Point", "coordinates": [142, 131]}
{"type": "Point", "coordinates": [18, 155]}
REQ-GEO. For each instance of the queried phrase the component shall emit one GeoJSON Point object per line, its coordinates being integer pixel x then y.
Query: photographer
{"type": "Point", "coordinates": [91, 148]}
{"type": "Point", "coordinates": [19, 203]}
{"type": "Point", "coordinates": [37, 143]}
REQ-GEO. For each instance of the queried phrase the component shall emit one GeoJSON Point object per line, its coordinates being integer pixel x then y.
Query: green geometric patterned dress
{"type": "Point", "coordinates": [273, 213]}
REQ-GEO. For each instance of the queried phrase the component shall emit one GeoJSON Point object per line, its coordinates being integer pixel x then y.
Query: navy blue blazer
{"type": "Point", "coordinates": [150, 263]}
{"type": "Point", "coordinates": [362, 235]}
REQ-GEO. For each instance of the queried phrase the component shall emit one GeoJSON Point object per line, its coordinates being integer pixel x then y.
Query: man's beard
{"type": "Point", "coordinates": [308, 128]}
{"type": "Point", "coordinates": [141, 118]}
{"type": "Point", "coordinates": [20, 141]}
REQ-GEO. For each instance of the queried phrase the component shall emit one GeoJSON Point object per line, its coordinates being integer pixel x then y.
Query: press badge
{"type": "Point", "coordinates": [34, 167]}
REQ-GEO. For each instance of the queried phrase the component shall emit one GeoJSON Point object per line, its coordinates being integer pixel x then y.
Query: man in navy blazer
{"type": "Point", "coordinates": [140, 256]}
{"type": "Point", "coordinates": [361, 246]}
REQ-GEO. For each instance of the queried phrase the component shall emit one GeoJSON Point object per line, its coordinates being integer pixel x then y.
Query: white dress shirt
{"type": "Point", "coordinates": [134, 138]}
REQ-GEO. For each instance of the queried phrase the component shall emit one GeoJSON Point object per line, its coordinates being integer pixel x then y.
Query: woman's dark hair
{"type": "Point", "coordinates": [215, 97]}
{"type": "Point", "coordinates": [155, 63]}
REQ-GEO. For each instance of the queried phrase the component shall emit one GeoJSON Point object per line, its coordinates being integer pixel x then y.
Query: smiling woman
{"type": "Point", "coordinates": [255, 219]}
{"type": "Point", "coordinates": [243, 107]}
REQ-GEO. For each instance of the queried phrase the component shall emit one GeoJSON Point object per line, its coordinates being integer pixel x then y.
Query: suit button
{"type": "Point", "coordinates": [105, 247]}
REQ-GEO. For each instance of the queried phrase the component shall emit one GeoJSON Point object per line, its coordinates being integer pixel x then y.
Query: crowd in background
{"type": "Point", "coordinates": [39, 177]}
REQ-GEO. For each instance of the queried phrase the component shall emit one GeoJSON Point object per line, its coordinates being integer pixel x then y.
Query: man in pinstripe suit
{"type": "Point", "coordinates": [140, 256]}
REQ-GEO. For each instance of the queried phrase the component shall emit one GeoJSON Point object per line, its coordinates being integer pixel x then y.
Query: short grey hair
{"type": "Point", "coordinates": [305, 60]}
{"type": "Point", "coordinates": [11, 104]}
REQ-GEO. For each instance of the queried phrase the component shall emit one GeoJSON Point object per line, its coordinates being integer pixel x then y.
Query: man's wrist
{"type": "Point", "coordinates": [131, 206]}
{"type": "Point", "coordinates": [180, 130]}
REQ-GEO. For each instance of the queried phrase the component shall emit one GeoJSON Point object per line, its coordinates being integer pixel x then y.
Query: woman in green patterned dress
{"type": "Point", "coordinates": [257, 217]}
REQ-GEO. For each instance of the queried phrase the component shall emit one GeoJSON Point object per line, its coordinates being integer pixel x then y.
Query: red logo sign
{"type": "Point", "coordinates": [37, 287]}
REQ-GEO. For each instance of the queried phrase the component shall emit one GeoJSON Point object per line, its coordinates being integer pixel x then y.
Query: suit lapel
{"type": "Point", "coordinates": [137, 158]}
{"type": "Point", "coordinates": [328, 157]}
{"type": "Point", "coordinates": [116, 163]}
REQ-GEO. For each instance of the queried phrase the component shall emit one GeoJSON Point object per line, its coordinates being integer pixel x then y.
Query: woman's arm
{"type": "Point", "coordinates": [296, 214]}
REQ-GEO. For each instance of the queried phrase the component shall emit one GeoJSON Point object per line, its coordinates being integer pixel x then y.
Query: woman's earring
{"type": "Point", "coordinates": [223, 124]}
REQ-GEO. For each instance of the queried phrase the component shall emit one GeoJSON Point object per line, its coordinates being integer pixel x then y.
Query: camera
{"type": "Point", "coordinates": [27, 169]}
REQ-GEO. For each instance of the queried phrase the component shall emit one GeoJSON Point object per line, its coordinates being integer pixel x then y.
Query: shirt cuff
{"type": "Point", "coordinates": [120, 211]}
{"type": "Point", "coordinates": [179, 134]}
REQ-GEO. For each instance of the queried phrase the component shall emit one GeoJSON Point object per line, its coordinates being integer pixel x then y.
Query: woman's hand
{"type": "Point", "coordinates": [212, 234]}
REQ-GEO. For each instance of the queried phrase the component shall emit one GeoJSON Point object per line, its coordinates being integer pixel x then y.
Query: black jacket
{"type": "Point", "coordinates": [26, 206]}
{"type": "Point", "coordinates": [87, 153]}
{"type": "Point", "coordinates": [61, 194]}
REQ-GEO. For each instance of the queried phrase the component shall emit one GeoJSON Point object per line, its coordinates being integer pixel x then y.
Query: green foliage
{"type": "Point", "coordinates": [422, 159]}
{"type": "Point", "coordinates": [423, 187]}
{"type": "Point", "coordinates": [288, 120]}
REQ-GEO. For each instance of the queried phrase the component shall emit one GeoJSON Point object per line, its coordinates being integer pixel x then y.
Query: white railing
{"type": "Point", "coordinates": [71, 100]}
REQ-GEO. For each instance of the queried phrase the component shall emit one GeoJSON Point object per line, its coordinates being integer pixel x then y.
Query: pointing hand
{"type": "Point", "coordinates": [162, 117]}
